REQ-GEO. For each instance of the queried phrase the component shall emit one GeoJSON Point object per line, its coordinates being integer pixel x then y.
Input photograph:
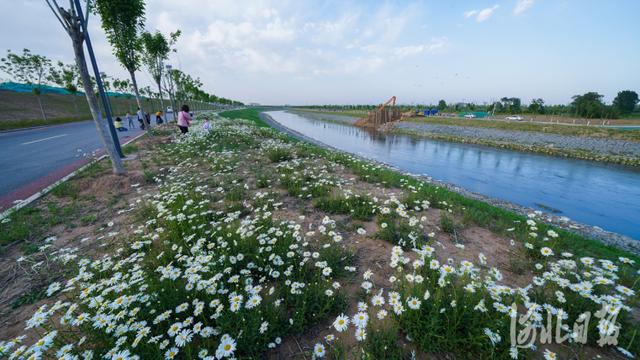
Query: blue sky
{"type": "Point", "coordinates": [311, 52]}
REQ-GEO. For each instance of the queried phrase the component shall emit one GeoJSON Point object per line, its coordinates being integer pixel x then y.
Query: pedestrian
{"type": "Point", "coordinates": [140, 115]}
{"type": "Point", "coordinates": [207, 125]}
{"type": "Point", "coordinates": [118, 124]}
{"type": "Point", "coordinates": [159, 118]}
{"type": "Point", "coordinates": [130, 120]}
{"type": "Point", "coordinates": [147, 118]}
{"type": "Point", "coordinates": [184, 119]}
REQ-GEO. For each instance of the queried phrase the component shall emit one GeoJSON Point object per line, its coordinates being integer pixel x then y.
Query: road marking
{"type": "Point", "coordinates": [49, 138]}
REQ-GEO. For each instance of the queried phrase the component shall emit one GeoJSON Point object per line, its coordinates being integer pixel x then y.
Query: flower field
{"type": "Point", "coordinates": [247, 244]}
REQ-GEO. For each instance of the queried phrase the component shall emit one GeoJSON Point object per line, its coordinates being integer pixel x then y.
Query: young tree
{"type": "Point", "coordinates": [28, 68]}
{"type": "Point", "coordinates": [157, 49]}
{"type": "Point", "coordinates": [67, 77]}
{"type": "Point", "coordinates": [625, 102]}
{"type": "Point", "coordinates": [69, 18]}
{"type": "Point", "coordinates": [122, 21]}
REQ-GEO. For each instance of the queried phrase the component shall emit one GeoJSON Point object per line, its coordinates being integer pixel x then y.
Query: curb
{"type": "Point", "coordinates": [47, 189]}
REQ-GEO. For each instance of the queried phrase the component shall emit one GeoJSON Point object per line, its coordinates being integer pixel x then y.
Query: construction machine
{"type": "Point", "coordinates": [385, 113]}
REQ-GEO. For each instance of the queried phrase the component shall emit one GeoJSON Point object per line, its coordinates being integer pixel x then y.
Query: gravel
{"type": "Point", "coordinates": [602, 146]}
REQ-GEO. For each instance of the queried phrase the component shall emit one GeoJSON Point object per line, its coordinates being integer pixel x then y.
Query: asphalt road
{"type": "Point", "coordinates": [32, 159]}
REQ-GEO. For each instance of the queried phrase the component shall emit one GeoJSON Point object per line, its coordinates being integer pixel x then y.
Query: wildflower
{"type": "Point", "coordinates": [549, 355]}
{"type": "Point", "coordinates": [318, 350]}
{"type": "Point", "coordinates": [361, 231]}
{"type": "Point", "coordinates": [381, 314]}
{"type": "Point", "coordinates": [171, 353]}
{"type": "Point", "coordinates": [545, 251]}
{"type": "Point", "coordinates": [360, 319]}
{"type": "Point", "coordinates": [227, 346]}
{"type": "Point", "coordinates": [377, 300]}
{"type": "Point", "coordinates": [413, 303]}
{"type": "Point", "coordinates": [494, 337]}
{"type": "Point", "coordinates": [341, 323]}
{"type": "Point", "coordinates": [361, 334]}
{"type": "Point", "coordinates": [184, 337]}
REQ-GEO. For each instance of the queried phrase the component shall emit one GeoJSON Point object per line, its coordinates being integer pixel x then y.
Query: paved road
{"type": "Point", "coordinates": [32, 159]}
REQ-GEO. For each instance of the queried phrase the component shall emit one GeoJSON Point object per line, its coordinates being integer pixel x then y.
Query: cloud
{"type": "Point", "coordinates": [470, 13]}
{"type": "Point", "coordinates": [482, 15]}
{"type": "Point", "coordinates": [522, 6]}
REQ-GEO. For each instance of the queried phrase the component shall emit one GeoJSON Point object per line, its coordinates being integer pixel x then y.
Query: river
{"type": "Point", "coordinates": [589, 192]}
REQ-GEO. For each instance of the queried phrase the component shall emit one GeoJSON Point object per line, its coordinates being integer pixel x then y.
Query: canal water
{"type": "Point", "coordinates": [592, 193]}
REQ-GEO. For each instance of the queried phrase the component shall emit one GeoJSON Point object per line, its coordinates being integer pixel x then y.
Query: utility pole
{"type": "Point", "coordinates": [94, 65]}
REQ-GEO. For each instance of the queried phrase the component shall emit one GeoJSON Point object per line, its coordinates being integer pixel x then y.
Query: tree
{"type": "Point", "coordinates": [625, 102]}
{"type": "Point", "coordinates": [536, 106]}
{"type": "Point", "coordinates": [66, 76]}
{"type": "Point", "coordinates": [28, 68]}
{"type": "Point", "coordinates": [442, 105]}
{"type": "Point", "coordinates": [512, 104]}
{"type": "Point", "coordinates": [157, 49]}
{"type": "Point", "coordinates": [589, 105]}
{"type": "Point", "coordinates": [70, 21]}
{"type": "Point", "coordinates": [122, 21]}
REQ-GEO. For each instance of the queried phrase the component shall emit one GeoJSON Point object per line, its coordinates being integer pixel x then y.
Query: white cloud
{"type": "Point", "coordinates": [481, 15]}
{"type": "Point", "coordinates": [470, 13]}
{"type": "Point", "coordinates": [522, 6]}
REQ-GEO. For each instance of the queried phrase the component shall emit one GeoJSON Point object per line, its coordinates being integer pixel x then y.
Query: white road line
{"type": "Point", "coordinates": [49, 138]}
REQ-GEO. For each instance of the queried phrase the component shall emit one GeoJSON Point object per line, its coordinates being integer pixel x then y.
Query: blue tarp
{"type": "Point", "coordinates": [26, 88]}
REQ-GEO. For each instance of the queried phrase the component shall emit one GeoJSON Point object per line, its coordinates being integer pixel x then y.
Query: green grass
{"type": "Point", "coordinates": [278, 154]}
{"type": "Point", "coordinates": [570, 130]}
{"type": "Point", "coordinates": [359, 207]}
{"type": "Point", "coordinates": [252, 114]}
{"type": "Point", "coordinates": [65, 189]}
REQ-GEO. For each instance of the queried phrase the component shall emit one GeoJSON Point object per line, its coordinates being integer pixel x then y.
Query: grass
{"type": "Point", "coordinates": [359, 207]}
{"type": "Point", "coordinates": [65, 189]}
{"type": "Point", "coordinates": [570, 130]}
{"type": "Point", "coordinates": [251, 114]}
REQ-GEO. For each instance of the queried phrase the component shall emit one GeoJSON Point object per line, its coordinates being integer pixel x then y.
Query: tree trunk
{"type": "Point", "coordinates": [96, 113]}
{"type": "Point", "coordinates": [44, 116]}
{"type": "Point", "coordinates": [134, 83]}
{"type": "Point", "coordinates": [162, 109]}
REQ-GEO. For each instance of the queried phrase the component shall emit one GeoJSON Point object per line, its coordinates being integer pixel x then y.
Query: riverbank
{"type": "Point", "coordinates": [243, 242]}
{"type": "Point", "coordinates": [578, 142]}
{"type": "Point", "coordinates": [584, 230]}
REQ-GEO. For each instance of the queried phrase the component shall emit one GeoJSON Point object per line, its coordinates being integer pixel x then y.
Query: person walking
{"type": "Point", "coordinates": [184, 119]}
{"type": "Point", "coordinates": [140, 115]}
{"type": "Point", "coordinates": [130, 121]}
{"type": "Point", "coordinates": [159, 118]}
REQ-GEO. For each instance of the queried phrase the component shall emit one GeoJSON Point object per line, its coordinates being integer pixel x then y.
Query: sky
{"type": "Point", "coordinates": [304, 52]}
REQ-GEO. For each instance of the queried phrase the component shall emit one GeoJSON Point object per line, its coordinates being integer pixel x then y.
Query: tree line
{"type": "Point", "coordinates": [133, 47]}
{"type": "Point", "coordinates": [589, 105]}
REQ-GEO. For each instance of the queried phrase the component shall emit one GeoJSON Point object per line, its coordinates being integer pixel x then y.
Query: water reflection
{"type": "Point", "coordinates": [599, 194]}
